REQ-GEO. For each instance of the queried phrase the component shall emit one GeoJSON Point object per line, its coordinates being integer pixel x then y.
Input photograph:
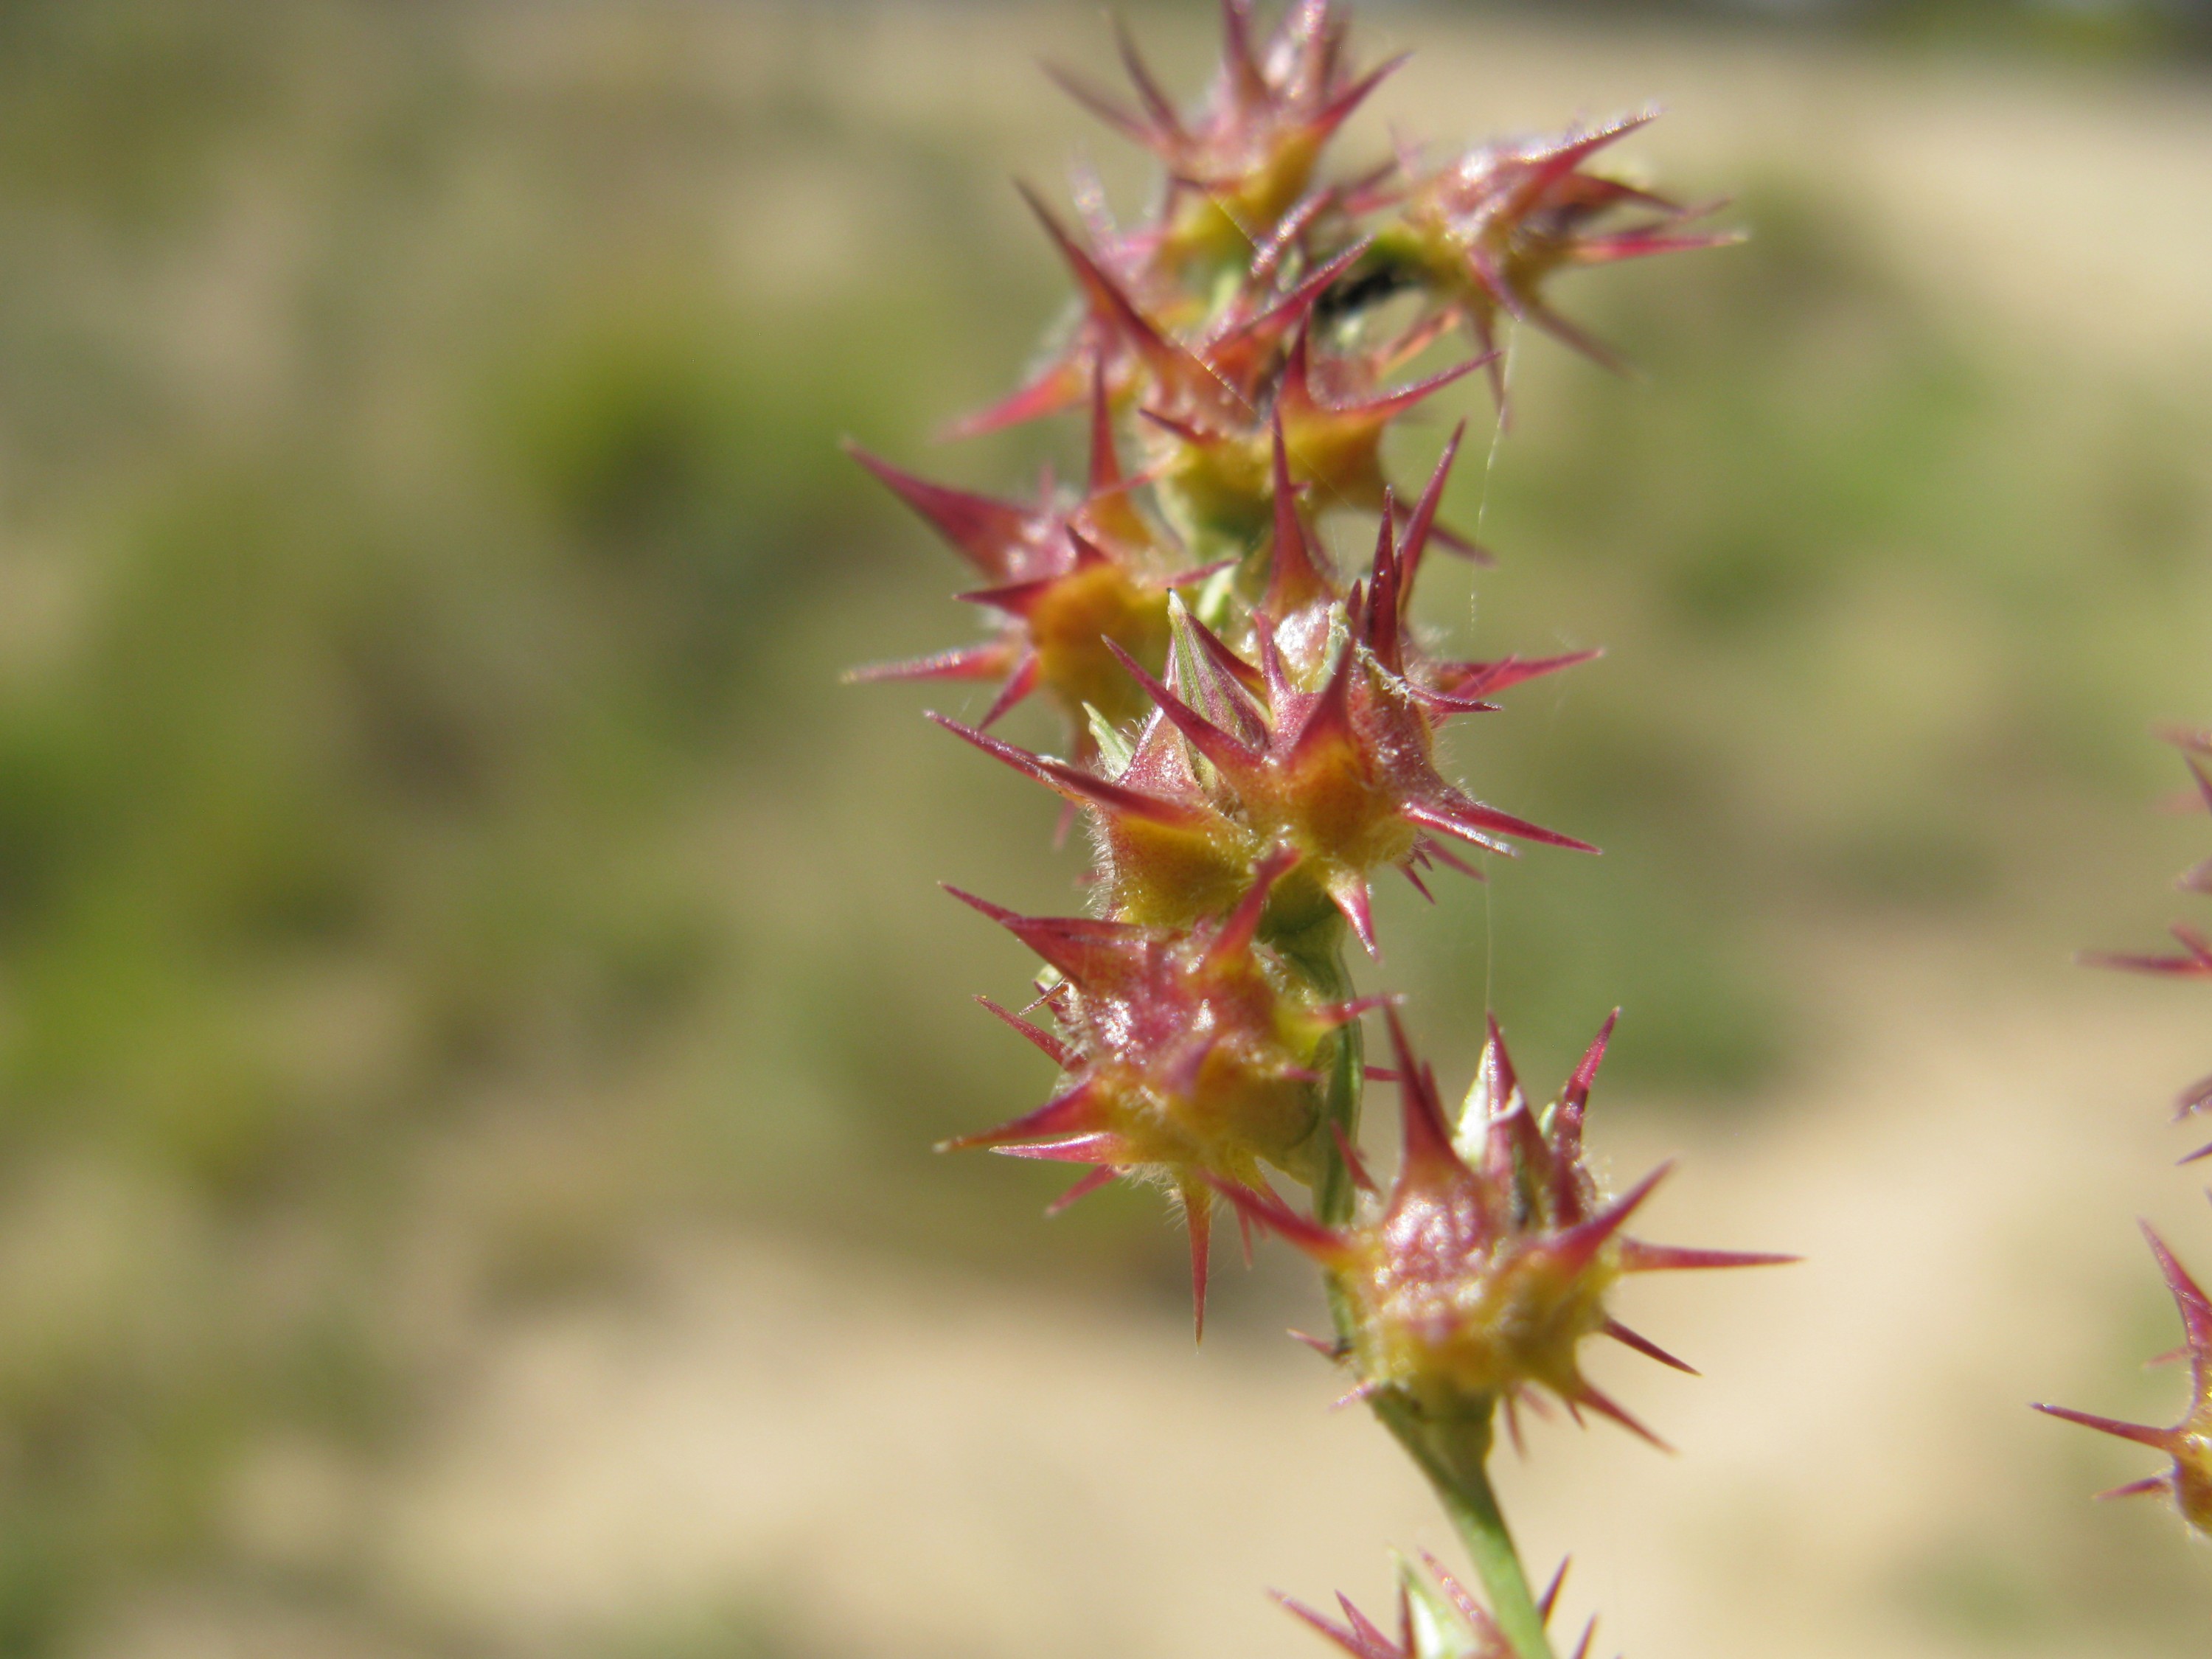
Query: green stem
{"type": "Point", "coordinates": [1454, 1455]}
{"type": "Point", "coordinates": [1316, 954]}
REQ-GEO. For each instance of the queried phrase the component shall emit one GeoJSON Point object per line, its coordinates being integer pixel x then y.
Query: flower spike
{"type": "Point", "coordinates": [1253, 736]}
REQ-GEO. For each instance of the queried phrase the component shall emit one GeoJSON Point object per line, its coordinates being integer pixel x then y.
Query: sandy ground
{"type": "Point", "coordinates": [897, 1462]}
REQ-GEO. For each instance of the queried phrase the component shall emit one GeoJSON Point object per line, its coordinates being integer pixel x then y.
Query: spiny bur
{"type": "Point", "coordinates": [1188, 1057]}
{"type": "Point", "coordinates": [2188, 1443]}
{"type": "Point", "coordinates": [1067, 575]}
{"type": "Point", "coordinates": [1483, 234]}
{"type": "Point", "coordinates": [1480, 1275]}
{"type": "Point", "coordinates": [1252, 733]}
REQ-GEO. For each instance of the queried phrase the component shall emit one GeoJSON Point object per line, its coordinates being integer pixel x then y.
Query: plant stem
{"type": "Point", "coordinates": [1454, 1455]}
{"type": "Point", "coordinates": [1316, 954]}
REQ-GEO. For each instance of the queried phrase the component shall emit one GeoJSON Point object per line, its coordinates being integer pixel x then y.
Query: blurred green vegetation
{"type": "Point", "coordinates": [434, 851]}
{"type": "Point", "coordinates": [2076, 30]}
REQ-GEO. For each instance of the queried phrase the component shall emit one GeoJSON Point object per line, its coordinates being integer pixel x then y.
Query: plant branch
{"type": "Point", "coordinates": [1455, 1454]}
{"type": "Point", "coordinates": [1316, 953]}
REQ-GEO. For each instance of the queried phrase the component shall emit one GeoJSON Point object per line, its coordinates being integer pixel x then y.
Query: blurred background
{"type": "Point", "coordinates": [474, 1002]}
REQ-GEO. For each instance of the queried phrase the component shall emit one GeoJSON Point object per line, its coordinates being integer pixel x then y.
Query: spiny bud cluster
{"type": "Point", "coordinates": [1478, 1279]}
{"type": "Point", "coordinates": [1322, 752]}
{"type": "Point", "coordinates": [1251, 733]}
{"type": "Point", "coordinates": [1244, 319]}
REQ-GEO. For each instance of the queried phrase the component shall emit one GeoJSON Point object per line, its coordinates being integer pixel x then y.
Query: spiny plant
{"type": "Point", "coordinates": [2188, 1442]}
{"type": "Point", "coordinates": [1251, 735]}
